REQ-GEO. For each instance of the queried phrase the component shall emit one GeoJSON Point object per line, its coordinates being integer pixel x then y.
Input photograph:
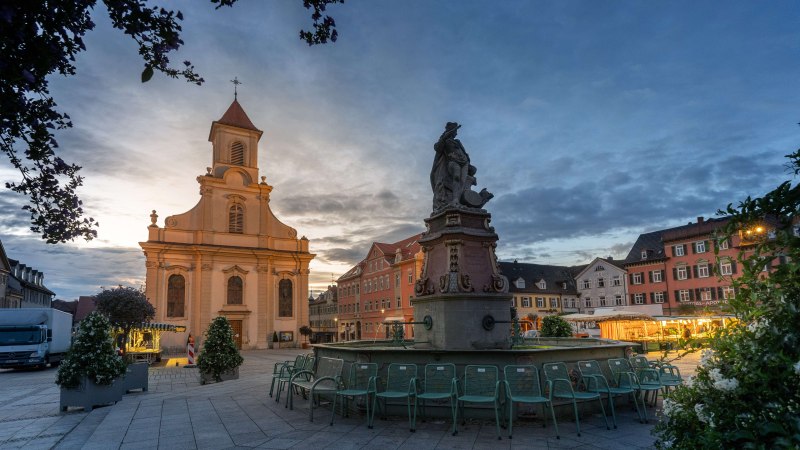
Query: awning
{"type": "Point", "coordinates": [612, 315]}
{"type": "Point", "coordinates": [152, 326]}
{"type": "Point", "coordinates": [394, 319]}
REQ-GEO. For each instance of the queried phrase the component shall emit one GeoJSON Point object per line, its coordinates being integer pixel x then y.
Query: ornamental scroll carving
{"type": "Point", "coordinates": [499, 282]}
{"type": "Point", "coordinates": [422, 285]}
{"type": "Point", "coordinates": [454, 281]}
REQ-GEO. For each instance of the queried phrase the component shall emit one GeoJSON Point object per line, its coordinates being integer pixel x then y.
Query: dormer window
{"type": "Point", "coordinates": [541, 284]}
{"type": "Point", "coordinates": [520, 283]}
{"type": "Point", "coordinates": [644, 254]}
{"type": "Point", "coordinates": [599, 268]}
{"type": "Point", "coordinates": [237, 153]}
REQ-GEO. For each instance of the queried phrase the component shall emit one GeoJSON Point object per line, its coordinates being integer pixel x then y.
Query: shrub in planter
{"type": "Point", "coordinates": [555, 326]}
{"type": "Point", "coordinates": [91, 362]}
{"type": "Point", "coordinates": [745, 393]}
{"type": "Point", "coordinates": [219, 354]}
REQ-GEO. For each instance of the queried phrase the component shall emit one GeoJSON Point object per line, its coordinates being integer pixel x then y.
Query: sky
{"type": "Point", "coordinates": [590, 121]}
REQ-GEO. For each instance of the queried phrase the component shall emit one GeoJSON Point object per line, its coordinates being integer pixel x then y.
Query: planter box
{"type": "Point", "coordinates": [136, 378]}
{"type": "Point", "coordinates": [208, 378]}
{"type": "Point", "coordinates": [88, 395]}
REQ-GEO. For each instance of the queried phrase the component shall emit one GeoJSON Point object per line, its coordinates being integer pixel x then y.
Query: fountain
{"type": "Point", "coordinates": [462, 307]}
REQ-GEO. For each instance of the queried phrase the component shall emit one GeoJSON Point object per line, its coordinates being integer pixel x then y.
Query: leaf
{"type": "Point", "coordinates": [147, 73]}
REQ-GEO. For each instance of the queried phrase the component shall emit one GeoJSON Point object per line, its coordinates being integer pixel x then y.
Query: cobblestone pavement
{"type": "Point", "coordinates": [179, 413]}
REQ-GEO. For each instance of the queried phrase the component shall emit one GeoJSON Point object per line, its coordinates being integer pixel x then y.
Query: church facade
{"type": "Point", "coordinates": [229, 255]}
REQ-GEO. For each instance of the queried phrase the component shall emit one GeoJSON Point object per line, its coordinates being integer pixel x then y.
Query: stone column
{"type": "Point", "coordinates": [263, 313]}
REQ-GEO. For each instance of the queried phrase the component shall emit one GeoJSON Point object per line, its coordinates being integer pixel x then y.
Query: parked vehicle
{"type": "Point", "coordinates": [33, 337]}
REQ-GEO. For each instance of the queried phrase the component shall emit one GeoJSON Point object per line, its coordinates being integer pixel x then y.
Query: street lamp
{"type": "Point", "coordinates": [336, 321]}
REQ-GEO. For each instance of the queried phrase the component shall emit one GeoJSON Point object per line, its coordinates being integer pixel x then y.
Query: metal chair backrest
{"type": "Point", "coordinates": [480, 380]}
{"type": "Point", "coordinates": [439, 378]}
{"type": "Point", "coordinates": [619, 366]}
{"type": "Point", "coordinates": [523, 380]}
{"type": "Point", "coordinates": [329, 367]}
{"type": "Point", "coordinates": [399, 376]}
{"type": "Point", "coordinates": [590, 368]}
{"type": "Point", "coordinates": [640, 362]}
{"type": "Point", "coordinates": [361, 374]}
{"type": "Point", "coordinates": [557, 371]}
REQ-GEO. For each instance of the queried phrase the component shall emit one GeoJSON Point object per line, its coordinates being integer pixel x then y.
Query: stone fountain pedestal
{"type": "Point", "coordinates": [460, 287]}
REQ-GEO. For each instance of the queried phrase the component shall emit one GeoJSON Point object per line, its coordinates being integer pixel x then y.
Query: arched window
{"type": "Point", "coordinates": [285, 298]}
{"type": "Point", "coordinates": [236, 219]}
{"type": "Point", "coordinates": [237, 153]}
{"type": "Point", "coordinates": [176, 293]}
{"type": "Point", "coordinates": [234, 290]}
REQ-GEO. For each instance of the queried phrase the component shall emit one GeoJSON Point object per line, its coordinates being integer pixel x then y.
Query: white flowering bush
{"type": "Point", "coordinates": [92, 355]}
{"type": "Point", "coordinates": [746, 393]}
{"type": "Point", "coordinates": [219, 353]}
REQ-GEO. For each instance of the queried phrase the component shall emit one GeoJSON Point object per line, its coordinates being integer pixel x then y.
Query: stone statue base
{"type": "Point", "coordinates": [460, 284]}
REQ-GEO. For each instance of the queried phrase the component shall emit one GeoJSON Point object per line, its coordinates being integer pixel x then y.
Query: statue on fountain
{"type": "Point", "coordinates": [452, 175]}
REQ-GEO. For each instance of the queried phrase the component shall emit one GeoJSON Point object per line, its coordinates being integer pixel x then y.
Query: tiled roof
{"type": "Point", "coordinates": [706, 227]}
{"type": "Point", "coordinates": [553, 276]}
{"type": "Point", "coordinates": [408, 247]}
{"type": "Point", "coordinates": [650, 242]}
{"type": "Point", "coordinates": [236, 117]}
{"type": "Point", "coordinates": [653, 242]}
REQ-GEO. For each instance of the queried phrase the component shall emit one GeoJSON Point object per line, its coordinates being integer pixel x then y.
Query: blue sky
{"type": "Point", "coordinates": [590, 121]}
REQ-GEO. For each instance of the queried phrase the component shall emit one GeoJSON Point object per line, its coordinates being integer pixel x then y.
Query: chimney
{"type": "Point", "coordinates": [699, 220]}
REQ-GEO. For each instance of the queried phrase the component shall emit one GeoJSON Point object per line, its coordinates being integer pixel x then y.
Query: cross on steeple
{"type": "Point", "coordinates": [236, 83]}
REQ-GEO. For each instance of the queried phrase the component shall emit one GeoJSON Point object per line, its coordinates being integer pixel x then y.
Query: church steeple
{"type": "Point", "coordinates": [235, 142]}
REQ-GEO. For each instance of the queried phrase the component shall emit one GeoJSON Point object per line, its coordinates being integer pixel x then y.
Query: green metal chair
{"type": "Point", "coordinates": [594, 380]}
{"type": "Point", "coordinates": [438, 384]}
{"type": "Point", "coordinates": [560, 386]}
{"type": "Point", "coordinates": [361, 382]}
{"type": "Point", "coordinates": [325, 379]}
{"type": "Point", "coordinates": [649, 377]}
{"type": "Point", "coordinates": [670, 375]}
{"type": "Point", "coordinates": [277, 370]}
{"type": "Point", "coordinates": [481, 385]}
{"type": "Point", "coordinates": [285, 376]}
{"type": "Point", "coordinates": [401, 382]}
{"type": "Point", "coordinates": [624, 376]}
{"type": "Point", "coordinates": [523, 386]}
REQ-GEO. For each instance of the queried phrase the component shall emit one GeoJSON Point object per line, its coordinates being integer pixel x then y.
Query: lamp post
{"type": "Point", "coordinates": [336, 322]}
{"type": "Point", "coordinates": [383, 314]}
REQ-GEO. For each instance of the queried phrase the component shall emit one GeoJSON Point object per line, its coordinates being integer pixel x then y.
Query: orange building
{"type": "Point", "coordinates": [378, 291]}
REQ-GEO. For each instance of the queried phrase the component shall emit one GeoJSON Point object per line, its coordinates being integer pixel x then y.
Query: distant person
{"type": "Point", "coordinates": [687, 333]}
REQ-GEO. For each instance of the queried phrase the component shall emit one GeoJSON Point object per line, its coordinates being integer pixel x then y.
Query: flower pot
{"type": "Point", "coordinates": [88, 394]}
{"type": "Point", "coordinates": [209, 378]}
{"type": "Point", "coordinates": [136, 377]}
{"type": "Point", "coordinates": [304, 345]}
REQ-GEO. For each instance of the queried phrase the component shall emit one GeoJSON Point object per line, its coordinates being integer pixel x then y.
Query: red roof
{"type": "Point", "coordinates": [236, 117]}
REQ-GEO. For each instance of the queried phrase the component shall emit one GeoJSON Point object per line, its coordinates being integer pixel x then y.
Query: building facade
{"type": "Point", "coordinates": [379, 290]}
{"type": "Point", "coordinates": [678, 269]}
{"type": "Point", "coordinates": [25, 287]}
{"type": "Point", "coordinates": [601, 284]}
{"type": "Point", "coordinates": [322, 312]}
{"type": "Point", "coordinates": [229, 255]}
{"type": "Point", "coordinates": [539, 290]}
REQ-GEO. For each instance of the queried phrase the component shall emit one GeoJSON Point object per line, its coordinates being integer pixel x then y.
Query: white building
{"type": "Point", "coordinates": [601, 284]}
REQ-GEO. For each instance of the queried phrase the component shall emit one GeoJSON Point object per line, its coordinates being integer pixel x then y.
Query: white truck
{"type": "Point", "coordinates": [33, 337]}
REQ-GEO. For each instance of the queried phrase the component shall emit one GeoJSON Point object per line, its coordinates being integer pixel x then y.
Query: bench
{"type": "Point", "coordinates": [324, 379]}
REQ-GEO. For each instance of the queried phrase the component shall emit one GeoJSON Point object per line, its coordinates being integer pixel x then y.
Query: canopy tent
{"type": "Point", "coordinates": [606, 316]}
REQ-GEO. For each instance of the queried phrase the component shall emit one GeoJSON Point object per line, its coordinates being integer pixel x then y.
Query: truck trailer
{"type": "Point", "coordinates": [33, 337]}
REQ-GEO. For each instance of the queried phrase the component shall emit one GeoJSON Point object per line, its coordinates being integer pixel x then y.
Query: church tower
{"type": "Point", "coordinates": [229, 255]}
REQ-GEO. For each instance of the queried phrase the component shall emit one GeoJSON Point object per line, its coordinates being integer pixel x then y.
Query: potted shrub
{"type": "Point", "coordinates": [306, 331]}
{"type": "Point", "coordinates": [219, 358]}
{"type": "Point", "coordinates": [275, 342]}
{"type": "Point", "coordinates": [555, 326]}
{"type": "Point", "coordinates": [126, 309]}
{"type": "Point", "coordinates": [90, 373]}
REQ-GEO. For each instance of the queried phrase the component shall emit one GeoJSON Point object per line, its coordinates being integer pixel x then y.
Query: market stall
{"type": "Point", "coordinates": [144, 341]}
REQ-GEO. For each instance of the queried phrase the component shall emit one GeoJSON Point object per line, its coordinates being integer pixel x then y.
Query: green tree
{"type": "Point", "coordinates": [38, 39]}
{"type": "Point", "coordinates": [306, 331]}
{"type": "Point", "coordinates": [125, 308]}
{"type": "Point", "coordinates": [92, 355]}
{"type": "Point", "coordinates": [745, 393]}
{"type": "Point", "coordinates": [555, 326]}
{"type": "Point", "coordinates": [219, 353]}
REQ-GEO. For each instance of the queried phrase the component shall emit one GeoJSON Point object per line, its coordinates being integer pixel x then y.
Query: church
{"type": "Point", "coordinates": [229, 255]}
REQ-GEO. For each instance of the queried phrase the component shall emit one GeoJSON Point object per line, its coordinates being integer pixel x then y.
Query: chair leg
{"type": "Point", "coordinates": [414, 419]}
{"type": "Point", "coordinates": [410, 423]}
{"type": "Point", "coordinates": [613, 413]}
{"type": "Point", "coordinates": [333, 408]}
{"type": "Point", "coordinates": [455, 418]}
{"type": "Point", "coordinates": [510, 417]}
{"type": "Point", "coordinates": [497, 419]}
{"type": "Point", "coordinates": [555, 422]}
{"type": "Point", "coordinates": [577, 419]}
{"type": "Point", "coordinates": [603, 410]}
{"type": "Point", "coordinates": [636, 404]}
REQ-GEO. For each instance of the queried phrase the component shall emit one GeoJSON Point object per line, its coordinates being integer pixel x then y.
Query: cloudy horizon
{"type": "Point", "coordinates": [591, 122]}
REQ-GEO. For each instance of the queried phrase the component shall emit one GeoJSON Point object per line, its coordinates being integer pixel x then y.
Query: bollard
{"type": "Point", "coordinates": [189, 352]}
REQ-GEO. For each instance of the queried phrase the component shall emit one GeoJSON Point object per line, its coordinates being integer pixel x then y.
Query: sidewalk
{"type": "Point", "coordinates": [178, 413]}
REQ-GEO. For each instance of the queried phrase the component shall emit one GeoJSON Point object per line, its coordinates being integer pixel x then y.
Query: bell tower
{"type": "Point", "coordinates": [234, 139]}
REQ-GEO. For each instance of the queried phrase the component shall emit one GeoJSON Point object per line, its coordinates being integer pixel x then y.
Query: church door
{"type": "Point", "coordinates": [237, 332]}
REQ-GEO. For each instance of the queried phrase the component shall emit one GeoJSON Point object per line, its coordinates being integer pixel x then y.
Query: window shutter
{"type": "Point", "coordinates": [630, 278]}
{"type": "Point", "coordinates": [673, 250]}
{"type": "Point", "coordinates": [688, 273]}
{"type": "Point", "coordinates": [694, 269]}
{"type": "Point", "coordinates": [683, 246]}
{"type": "Point", "coordinates": [650, 274]}
{"type": "Point", "coordinates": [652, 297]}
{"type": "Point", "coordinates": [694, 247]}
{"type": "Point", "coordinates": [719, 293]}
{"type": "Point", "coordinates": [691, 294]}
{"type": "Point", "coordinates": [705, 243]}
{"type": "Point", "coordinates": [733, 266]}
{"type": "Point", "coordinates": [677, 296]}
{"type": "Point", "coordinates": [674, 273]}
